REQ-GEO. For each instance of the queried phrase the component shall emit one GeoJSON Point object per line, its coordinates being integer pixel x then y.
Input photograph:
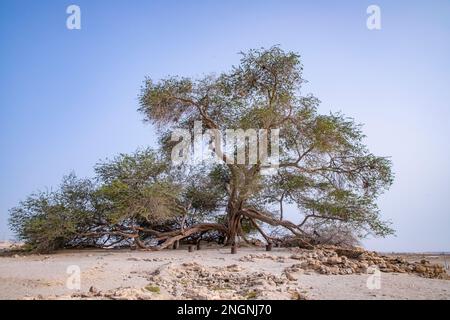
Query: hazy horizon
{"type": "Point", "coordinates": [69, 97]}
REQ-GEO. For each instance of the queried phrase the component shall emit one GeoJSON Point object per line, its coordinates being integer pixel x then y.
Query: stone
{"type": "Point", "coordinates": [234, 268]}
{"type": "Point", "coordinates": [133, 259]}
{"type": "Point", "coordinates": [93, 290]}
{"type": "Point", "coordinates": [334, 260]}
{"type": "Point", "coordinates": [420, 268]}
{"type": "Point", "coordinates": [334, 270]}
{"type": "Point", "coordinates": [350, 253]}
{"type": "Point", "coordinates": [290, 277]}
{"type": "Point", "coordinates": [324, 270]}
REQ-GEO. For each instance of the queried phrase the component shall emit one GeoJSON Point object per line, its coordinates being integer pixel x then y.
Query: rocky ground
{"type": "Point", "coordinates": [213, 273]}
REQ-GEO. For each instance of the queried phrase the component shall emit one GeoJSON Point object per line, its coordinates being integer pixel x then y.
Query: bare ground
{"type": "Point", "coordinates": [211, 273]}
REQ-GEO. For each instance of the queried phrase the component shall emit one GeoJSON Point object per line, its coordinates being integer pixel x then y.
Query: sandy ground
{"type": "Point", "coordinates": [46, 276]}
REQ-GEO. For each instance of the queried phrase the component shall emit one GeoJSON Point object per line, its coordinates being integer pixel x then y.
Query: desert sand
{"type": "Point", "coordinates": [211, 273]}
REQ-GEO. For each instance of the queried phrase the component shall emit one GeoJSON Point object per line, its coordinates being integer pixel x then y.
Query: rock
{"type": "Point", "coordinates": [320, 253]}
{"type": "Point", "coordinates": [297, 295]}
{"type": "Point", "coordinates": [302, 264]}
{"type": "Point", "coordinates": [350, 253]}
{"type": "Point", "coordinates": [363, 265]}
{"type": "Point", "coordinates": [234, 268]}
{"type": "Point", "coordinates": [262, 283]}
{"type": "Point", "coordinates": [324, 270]}
{"type": "Point", "coordinates": [290, 277]}
{"type": "Point", "coordinates": [314, 264]}
{"type": "Point", "coordinates": [271, 282]}
{"type": "Point", "coordinates": [314, 255]}
{"type": "Point", "coordinates": [348, 271]}
{"type": "Point", "coordinates": [133, 259]}
{"type": "Point", "coordinates": [334, 260]}
{"type": "Point", "coordinates": [93, 290]}
{"type": "Point", "coordinates": [420, 268]}
{"type": "Point", "coordinates": [335, 270]}
{"type": "Point", "coordinates": [189, 264]}
{"type": "Point", "coordinates": [399, 270]}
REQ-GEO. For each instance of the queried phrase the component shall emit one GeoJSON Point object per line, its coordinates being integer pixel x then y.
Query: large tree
{"type": "Point", "coordinates": [325, 169]}
{"type": "Point", "coordinates": [325, 172]}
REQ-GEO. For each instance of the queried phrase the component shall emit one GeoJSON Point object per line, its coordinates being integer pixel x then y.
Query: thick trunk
{"type": "Point", "coordinates": [233, 219]}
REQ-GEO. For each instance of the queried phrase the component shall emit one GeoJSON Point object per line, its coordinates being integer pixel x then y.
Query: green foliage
{"type": "Point", "coordinates": [47, 221]}
{"type": "Point", "coordinates": [325, 168]}
{"type": "Point", "coordinates": [137, 186]}
{"type": "Point", "coordinates": [133, 191]}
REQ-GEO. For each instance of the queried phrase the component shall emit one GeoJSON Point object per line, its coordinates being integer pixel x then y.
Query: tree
{"type": "Point", "coordinates": [52, 220]}
{"type": "Point", "coordinates": [325, 169]}
{"type": "Point", "coordinates": [131, 193]}
{"type": "Point", "coordinates": [145, 199]}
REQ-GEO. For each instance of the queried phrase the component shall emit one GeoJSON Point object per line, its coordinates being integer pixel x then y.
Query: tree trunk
{"type": "Point", "coordinates": [233, 217]}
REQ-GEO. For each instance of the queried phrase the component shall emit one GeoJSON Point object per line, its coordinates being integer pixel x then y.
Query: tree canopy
{"type": "Point", "coordinates": [324, 170]}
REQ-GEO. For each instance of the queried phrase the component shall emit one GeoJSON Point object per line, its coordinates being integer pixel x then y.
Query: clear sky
{"type": "Point", "coordinates": [69, 97]}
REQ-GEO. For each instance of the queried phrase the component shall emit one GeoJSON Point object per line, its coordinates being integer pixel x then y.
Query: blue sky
{"type": "Point", "coordinates": [69, 97]}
